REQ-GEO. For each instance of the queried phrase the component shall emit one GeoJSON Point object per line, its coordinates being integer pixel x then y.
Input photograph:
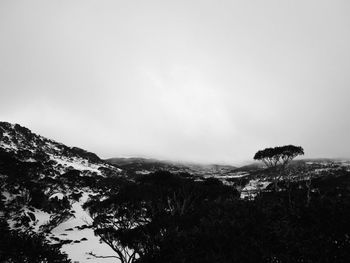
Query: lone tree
{"type": "Point", "coordinates": [278, 158]}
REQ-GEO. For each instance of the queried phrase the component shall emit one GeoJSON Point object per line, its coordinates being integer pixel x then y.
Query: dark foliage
{"type": "Point", "coordinates": [164, 217]}
{"type": "Point", "coordinates": [277, 159]}
{"type": "Point", "coordinates": [27, 247]}
{"type": "Point", "coordinates": [85, 154]}
{"type": "Point", "coordinates": [278, 155]}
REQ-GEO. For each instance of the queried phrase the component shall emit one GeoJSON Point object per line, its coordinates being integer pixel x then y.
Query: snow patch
{"type": "Point", "coordinates": [252, 188]}
{"type": "Point", "coordinates": [58, 195]}
{"type": "Point", "coordinates": [77, 164]}
{"type": "Point", "coordinates": [82, 241]}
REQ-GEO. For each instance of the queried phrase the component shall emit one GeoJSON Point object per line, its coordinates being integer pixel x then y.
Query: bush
{"type": "Point", "coordinates": [27, 247]}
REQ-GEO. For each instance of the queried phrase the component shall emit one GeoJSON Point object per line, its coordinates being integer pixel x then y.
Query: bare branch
{"type": "Point", "coordinates": [96, 256]}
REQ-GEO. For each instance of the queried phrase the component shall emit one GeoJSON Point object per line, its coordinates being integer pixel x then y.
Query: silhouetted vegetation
{"type": "Point", "coordinates": [175, 217]}
{"type": "Point", "coordinates": [277, 159]}
{"type": "Point", "coordinates": [27, 247]}
{"type": "Point", "coordinates": [164, 217]}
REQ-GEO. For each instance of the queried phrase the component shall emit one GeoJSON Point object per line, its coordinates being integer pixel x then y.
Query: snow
{"type": "Point", "coordinates": [79, 240]}
{"type": "Point", "coordinates": [235, 175]}
{"type": "Point", "coordinates": [143, 172]}
{"type": "Point", "coordinates": [8, 196]}
{"type": "Point", "coordinates": [320, 170]}
{"type": "Point", "coordinates": [78, 252]}
{"type": "Point", "coordinates": [58, 195]}
{"type": "Point", "coordinates": [77, 164]}
{"type": "Point", "coordinates": [345, 163]}
{"type": "Point", "coordinates": [251, 189]}
{"type": "Point", "coordinates": [30, 160]}
{"type": "Point", "coordinates": [78, 249]}
{"type": "Point", "coordinates": [10, 146]}
{"type": "Point", "coordinates": [53, 146]}
{"type": "Point", "coordinates": [42, 217]}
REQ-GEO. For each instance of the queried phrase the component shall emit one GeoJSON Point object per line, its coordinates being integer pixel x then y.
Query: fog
{"type": "Point", "coordinates": [201, 81]}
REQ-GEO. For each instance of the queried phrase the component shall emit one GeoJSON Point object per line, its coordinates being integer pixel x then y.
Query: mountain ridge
{"type": "Point", "coordinates": [44, 185]}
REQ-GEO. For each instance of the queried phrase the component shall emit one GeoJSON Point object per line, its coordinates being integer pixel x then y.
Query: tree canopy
{"type": "Point", "coordinates": [279, 155]}
{"type": "Point", "coordinates": [163, 217]}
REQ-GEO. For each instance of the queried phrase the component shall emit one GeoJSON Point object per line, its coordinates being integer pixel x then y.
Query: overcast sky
{"type": "Point", "coordinates": [204, 81]}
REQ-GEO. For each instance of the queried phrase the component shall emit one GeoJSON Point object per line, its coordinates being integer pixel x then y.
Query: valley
{"type": "Point", "coordinates": [71, 197]}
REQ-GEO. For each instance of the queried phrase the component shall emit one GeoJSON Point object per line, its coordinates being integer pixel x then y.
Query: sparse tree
{"type": "Point", "coordinates": [277, 159]}
{"type": "Point", "coordinates": [112, 219]}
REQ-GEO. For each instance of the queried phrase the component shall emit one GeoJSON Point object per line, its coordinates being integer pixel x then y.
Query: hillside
{"type": "Point", "coordinates": [44, 185]}
{"type": "Point", "coordinates": [126, 209]}
{"type": "Point", "coordinates": [144, 166]}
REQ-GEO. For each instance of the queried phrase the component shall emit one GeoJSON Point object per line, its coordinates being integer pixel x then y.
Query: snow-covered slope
{"type": "Point", "coordinates": [30, 147]}
{"type": "Point", "coordinates": [78, 239]}
{"type": "Point", "coordinates": [45, 184]}
{"type": "Point", "coordinates": [44, 187]}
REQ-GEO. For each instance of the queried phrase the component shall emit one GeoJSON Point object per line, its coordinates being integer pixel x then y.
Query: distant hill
{"type": "Point", "coordinates": [144, 165]}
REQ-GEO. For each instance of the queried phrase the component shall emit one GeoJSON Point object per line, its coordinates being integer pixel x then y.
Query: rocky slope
{"type": "Point", "coordinates": [44, 185]}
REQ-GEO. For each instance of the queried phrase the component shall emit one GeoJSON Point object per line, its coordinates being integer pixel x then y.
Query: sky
{"type": "Point", "coordinates": [201, 81]}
